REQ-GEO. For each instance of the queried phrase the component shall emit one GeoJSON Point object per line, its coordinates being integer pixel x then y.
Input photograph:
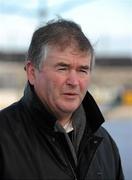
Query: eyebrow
{"type": "Point", "coordinates": [62, 64]}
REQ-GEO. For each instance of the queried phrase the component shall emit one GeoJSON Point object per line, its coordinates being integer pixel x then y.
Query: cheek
{"type": "Point", "coordinates": [57, 81]}
{"type": "Point", "coordinates": [85, 83]}
{"type": "Point", "coordinates": [54, 85]}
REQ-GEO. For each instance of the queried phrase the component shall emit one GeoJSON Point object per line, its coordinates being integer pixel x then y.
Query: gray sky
{"type": "Point", "coordinates": [106, 23]}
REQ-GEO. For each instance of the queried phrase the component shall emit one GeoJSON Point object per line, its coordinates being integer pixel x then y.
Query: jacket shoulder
{"type": "Point", "coordinates": [107, 138]}
{"type": "Point", "coordinates": [108, 143]}
{"type": "Point", "coordinates": [9, 115]}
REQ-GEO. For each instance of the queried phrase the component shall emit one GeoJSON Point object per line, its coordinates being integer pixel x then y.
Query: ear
{"type": "Point", "coordinates": [30, 70]}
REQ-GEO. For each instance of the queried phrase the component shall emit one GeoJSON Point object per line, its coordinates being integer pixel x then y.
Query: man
{"type": "Point", "coordinates": [54, 131]}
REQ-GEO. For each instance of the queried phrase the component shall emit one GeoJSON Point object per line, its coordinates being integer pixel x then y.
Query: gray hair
{"type": "Point", "coordinates": [61, 33]}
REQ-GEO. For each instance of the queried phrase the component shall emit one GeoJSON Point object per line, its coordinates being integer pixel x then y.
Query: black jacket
{"type": "Point", "coordinates": [30, 148]}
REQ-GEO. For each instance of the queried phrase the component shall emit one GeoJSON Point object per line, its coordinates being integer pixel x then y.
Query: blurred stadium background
{"type": "Point", "coordinates": [107, 24]}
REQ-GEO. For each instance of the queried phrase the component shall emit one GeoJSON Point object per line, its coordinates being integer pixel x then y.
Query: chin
{"type": "Point", "coordinates": [68, 106]}
{"type": "Point", "coordinates": [69, 109]}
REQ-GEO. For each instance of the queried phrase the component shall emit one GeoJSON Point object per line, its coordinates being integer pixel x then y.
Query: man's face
{"type": "Point", "coordinates": [63, 80]}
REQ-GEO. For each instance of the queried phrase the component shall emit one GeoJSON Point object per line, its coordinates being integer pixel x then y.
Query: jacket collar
{"type": "Point", "coordinates": [39, 114]}
{"type": "Point", "coordinates": [93, 114]}
{"type": "Point", "coordinates": [46, 120]}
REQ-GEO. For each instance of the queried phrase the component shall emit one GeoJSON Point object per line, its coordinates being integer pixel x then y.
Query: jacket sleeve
{"type": "Point", "coordinates": [120, 175]}
{"type": "Point", "coordinates": [1, 163]}
{"type": "Point", "coordinates": [113, 152]}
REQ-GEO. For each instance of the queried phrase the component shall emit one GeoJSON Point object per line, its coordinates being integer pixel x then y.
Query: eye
{"type": "Point", "coordinates": [62, 69]}
{"type": "Point", "coordinates": [85, 71]}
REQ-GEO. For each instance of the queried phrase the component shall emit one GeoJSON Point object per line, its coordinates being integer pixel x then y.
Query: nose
{"type": "Point", "coordinates": [72, 78]}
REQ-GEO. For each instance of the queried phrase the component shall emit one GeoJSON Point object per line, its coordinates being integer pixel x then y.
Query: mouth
{"type": "Point", "coordinates": [71, 95]}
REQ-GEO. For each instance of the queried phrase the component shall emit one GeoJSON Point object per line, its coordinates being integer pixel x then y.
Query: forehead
{"type": "Point", "coordinates": [70, 52]}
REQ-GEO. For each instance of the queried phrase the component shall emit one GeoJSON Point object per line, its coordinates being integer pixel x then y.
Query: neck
{"type": "Point", "coordinates": [64, 120]}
